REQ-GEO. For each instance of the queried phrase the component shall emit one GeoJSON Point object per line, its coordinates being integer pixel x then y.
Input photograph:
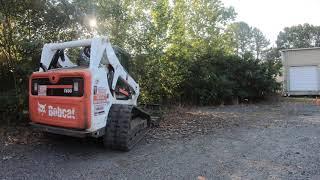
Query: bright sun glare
{"type": "Point", "coordinates": [93, 22]}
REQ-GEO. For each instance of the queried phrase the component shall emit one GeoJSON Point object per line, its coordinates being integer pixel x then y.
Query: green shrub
{"type": "Point", "coordinates": [209, 79]}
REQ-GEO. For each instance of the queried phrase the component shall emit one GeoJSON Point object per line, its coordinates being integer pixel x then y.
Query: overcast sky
{"type": "Point", "coordinates": [271, 16]}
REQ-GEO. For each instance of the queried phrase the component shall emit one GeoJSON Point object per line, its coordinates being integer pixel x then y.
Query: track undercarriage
{"type": "Point", "coordinates": [127, 125]}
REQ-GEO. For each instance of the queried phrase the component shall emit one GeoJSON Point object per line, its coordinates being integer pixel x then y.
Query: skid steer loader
{"type": "Point", "coordinates": [81, 89]}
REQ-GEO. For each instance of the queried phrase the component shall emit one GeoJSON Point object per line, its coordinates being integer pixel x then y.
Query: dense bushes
{"type": "Point", "coordinates": [14, 91]}
{"type": "Point", "coordinates": [211, 79]}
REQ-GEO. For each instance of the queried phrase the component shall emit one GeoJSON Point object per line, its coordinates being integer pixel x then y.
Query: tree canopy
{"type": "Point", "coordinates": [246, 39]}
{"type": "Point", "coordinates": [300, 36]}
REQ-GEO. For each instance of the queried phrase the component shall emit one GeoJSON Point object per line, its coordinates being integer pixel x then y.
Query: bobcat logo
{"type": "Point", "coordinates": [42, 108]}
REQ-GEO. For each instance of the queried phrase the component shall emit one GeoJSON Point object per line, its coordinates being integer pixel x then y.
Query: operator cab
{"type": "Point", "coordinates": [79, 58]}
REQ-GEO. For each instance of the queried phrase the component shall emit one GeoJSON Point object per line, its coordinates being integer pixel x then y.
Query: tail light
{"type": "Point", "coordinates": [34, 87]}
{"type": "Point", "coordinates": [76, 86]}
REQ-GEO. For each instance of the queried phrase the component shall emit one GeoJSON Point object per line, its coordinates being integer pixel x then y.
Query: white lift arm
{"type": "Point", "coordinates": [99, 46]}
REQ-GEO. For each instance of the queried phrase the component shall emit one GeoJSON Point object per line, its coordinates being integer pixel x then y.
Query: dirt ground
{"type": "Point", "coordinates": [279, 140]}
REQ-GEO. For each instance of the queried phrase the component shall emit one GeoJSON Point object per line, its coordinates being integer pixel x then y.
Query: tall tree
{"type": "Point", "coordinates": [260, 42]}
{"type": "Point", "coordinates": [300, 36]}
{"type": "Point", "coordinates": [241, 36]}
{"type": "Point", "coordinates": [246, 39]}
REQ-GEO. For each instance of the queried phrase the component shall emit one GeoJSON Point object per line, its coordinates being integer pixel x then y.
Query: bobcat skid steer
{"type": "Point", "coordinates": [81, 89]}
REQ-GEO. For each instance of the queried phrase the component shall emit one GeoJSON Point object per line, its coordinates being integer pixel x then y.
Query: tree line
{"type": "Point", "coordinates": [182, 51]}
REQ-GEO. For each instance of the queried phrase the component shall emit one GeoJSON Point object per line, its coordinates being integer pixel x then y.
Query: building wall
{"type": "Point", "coordinates": [302, 57]}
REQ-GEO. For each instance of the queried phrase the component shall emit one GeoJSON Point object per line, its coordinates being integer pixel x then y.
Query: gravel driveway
{"type": "Point", "coordinates": [265, 141]}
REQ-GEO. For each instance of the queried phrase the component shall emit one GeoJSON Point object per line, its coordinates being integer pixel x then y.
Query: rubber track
{"type": "Point", "coordinates": [119, 134]}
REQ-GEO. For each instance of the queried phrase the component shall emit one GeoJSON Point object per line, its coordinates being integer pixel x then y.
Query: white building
{"type": "Point", "coordinates": [301, 71]}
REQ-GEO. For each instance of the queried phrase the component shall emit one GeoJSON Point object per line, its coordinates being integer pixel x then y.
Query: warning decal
{"type": "Point", "coordinates": [100, 99]}
{"type": "Point", "coordinates": [100, 96]}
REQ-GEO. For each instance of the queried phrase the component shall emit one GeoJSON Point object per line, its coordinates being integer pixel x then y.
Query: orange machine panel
{"type": "Point", "coordinates": [62, 111]}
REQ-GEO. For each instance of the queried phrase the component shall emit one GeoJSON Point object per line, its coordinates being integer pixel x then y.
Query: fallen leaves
{"type": "Point", "coordinates": [19, 135]}
{"type": "Point", "coordinates": [182, 123]}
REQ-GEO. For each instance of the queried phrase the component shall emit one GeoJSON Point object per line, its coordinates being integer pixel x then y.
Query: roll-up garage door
{"type": "Point", "coordinates": [303, 78]}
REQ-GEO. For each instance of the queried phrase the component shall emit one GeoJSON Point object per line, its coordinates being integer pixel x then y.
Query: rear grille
{"type": "Point", "coordinates": [64, 87]}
